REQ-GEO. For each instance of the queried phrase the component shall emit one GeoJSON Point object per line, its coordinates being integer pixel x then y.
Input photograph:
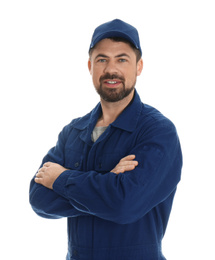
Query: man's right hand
{"type": "Point", "coordinates": [125, 164]}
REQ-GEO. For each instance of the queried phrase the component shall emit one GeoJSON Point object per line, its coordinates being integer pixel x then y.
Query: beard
{"type": "Point", "coordinates": [112, 94]}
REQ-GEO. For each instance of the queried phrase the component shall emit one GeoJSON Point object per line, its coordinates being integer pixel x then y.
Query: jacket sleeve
{"type": "Point", "coordinates": [126, 197]}
{"type": "Point", "coordinates": [45, 202]}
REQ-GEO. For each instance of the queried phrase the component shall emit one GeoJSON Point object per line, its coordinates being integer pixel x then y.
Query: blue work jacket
{"type": "Point", "coordinates": [114, 216]}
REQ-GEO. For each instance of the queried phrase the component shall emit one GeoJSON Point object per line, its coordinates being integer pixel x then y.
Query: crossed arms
{"type": "Point", "coordinates": [49, 172]}
{"type": "Point", "coordinates": [138, 182]}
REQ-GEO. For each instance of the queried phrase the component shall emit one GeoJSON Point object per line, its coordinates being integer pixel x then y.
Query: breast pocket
{"type": "Point", "coordinates": [73, 160]}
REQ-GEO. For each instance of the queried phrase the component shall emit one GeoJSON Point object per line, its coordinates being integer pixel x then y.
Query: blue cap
{"type": "Point", "coordinates": [116, 28]}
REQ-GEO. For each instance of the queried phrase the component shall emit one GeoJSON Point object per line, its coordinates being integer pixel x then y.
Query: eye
{"type": "Point", "coordinates": [122, 60]}
{"type": "Point", "coordinates": [101, 60]}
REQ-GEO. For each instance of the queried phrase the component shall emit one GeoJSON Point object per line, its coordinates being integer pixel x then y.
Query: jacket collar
{"type": "Point", "coordinates": [129, 117]}
{"type": "Point", "coordinates": [126, 121]}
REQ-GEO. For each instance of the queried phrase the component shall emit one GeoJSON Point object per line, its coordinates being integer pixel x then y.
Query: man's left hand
{"type": "Point", "coordinates": [47, 175]}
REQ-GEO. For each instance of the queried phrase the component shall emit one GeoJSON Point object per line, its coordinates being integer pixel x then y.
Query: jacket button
{"type": "Point", "coordinates": [75, 252]}
{"type": "Point", "coordinates": [76, 164]}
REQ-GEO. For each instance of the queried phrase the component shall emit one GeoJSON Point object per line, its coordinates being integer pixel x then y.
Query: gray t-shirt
{"type": "Point", "coordinates": [97, 131]}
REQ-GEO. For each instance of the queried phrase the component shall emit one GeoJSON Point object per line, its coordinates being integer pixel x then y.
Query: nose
{"type": "Point", "coordinates": [111, 67]}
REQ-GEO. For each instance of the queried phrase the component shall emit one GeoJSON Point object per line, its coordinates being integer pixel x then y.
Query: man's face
{"type": "Point", "coordinates": [114, 69]}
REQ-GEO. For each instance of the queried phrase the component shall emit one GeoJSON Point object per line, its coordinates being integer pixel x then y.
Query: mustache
{"type": "Point", "coordinates": [111, 76]}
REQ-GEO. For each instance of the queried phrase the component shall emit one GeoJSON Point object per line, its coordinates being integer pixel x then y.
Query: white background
{"type": "Point", "coordinates": [45, 83]}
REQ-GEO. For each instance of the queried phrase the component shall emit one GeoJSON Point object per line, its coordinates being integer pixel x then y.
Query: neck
{"type": "Point", "coordinates": [111, 110]}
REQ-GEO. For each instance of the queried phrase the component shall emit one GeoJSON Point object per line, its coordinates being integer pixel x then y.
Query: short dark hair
{"type": "Point", "coordinates": [120, 39]}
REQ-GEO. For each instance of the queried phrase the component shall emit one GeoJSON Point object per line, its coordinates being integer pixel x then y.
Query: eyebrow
{"type": "Point", "coordinates": [117, 56]}
{"type": "Point", "coordinates": [122, 55]}
{"type": "Point", "coordinates": [101, 56]}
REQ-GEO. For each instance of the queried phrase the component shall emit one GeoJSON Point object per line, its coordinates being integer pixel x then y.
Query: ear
{"type": "Point", "coordinates": [89, 66]}
{"type": "Point", "coordinates": [139, 67]}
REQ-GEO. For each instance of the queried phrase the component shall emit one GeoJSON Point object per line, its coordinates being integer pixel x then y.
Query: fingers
{"type": "Point", "coordinates": [123, 169]}
{"type": "Point", "coordinates": [38, 180]}
{"type": "Point", "coordinates": [47, 164]}
{"type": "Point", "coordinates": [39, 175]}
{"type": "Point", "coordinates": [48, 173]}
{"type": "Point", "coordinates": [128, 162]}
{"type": "Point", "coordinates": [41, 171]}
{"type": "Point", "coordinates": [128, 158]}
{"type": "Point", "coordinates": [125, 164]}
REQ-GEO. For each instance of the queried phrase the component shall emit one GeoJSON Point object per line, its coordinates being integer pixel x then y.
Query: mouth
{"type": "Point", "coordinates": [112, 83]}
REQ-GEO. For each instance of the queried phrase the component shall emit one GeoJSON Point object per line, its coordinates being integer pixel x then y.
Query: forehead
{"type": "Point", "coordinates": [112, 48]}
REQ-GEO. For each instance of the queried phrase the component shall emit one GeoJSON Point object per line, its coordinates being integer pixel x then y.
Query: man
{"type": "Point", "coordinates": [113, 173]}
